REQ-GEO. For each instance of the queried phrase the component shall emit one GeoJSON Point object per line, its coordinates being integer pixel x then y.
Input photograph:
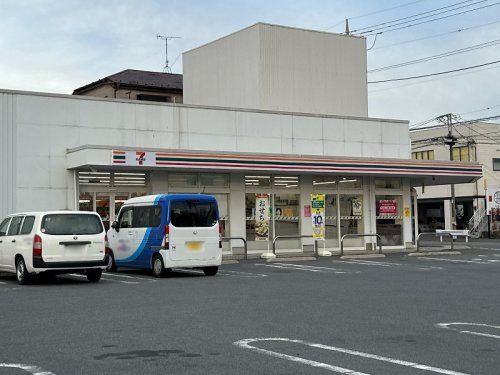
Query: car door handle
{"type": "Point", "coordinates": [13, 240]}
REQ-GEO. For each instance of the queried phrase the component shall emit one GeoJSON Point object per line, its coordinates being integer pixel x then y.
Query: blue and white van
{"type": "Point", "coordinates": [166, 231]}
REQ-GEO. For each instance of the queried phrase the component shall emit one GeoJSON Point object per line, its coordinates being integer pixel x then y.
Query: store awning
{"type": "Point", "coordinates": [419, 171]}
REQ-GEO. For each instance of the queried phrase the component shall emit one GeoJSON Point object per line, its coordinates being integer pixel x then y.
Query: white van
{"type": "Point", "coordinates": [54, 242]}
{"type": "Point", "coordinates": [161, 232]}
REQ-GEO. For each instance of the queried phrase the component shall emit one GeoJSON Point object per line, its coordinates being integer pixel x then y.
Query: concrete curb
{"type": "Point", "coordinates": [362, 256]}
{"type": "Point", "coordinates": [432, 253]}
{"type": "Point", "coordinates": [230, 261]}
{"type": "Point", "coordinates": [290, 259]}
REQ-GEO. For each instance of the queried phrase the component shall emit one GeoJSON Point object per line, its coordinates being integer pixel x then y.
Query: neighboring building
{"type": "Point", "coordinates": [136, 84]}
{"type": "Point", "coordinates": [61, 151]}
{"type": "Point", "coordinates": [280, 68]}
{"type": "Point", "coordinates": [477, 142]}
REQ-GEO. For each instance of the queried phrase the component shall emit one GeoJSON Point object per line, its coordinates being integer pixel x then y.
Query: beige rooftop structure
{"type": "Point", "coordinates": [280, 68]}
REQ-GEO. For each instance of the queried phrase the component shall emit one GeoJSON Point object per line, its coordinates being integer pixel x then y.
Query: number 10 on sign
{"type": "Point", "coordinates": [318, 215]}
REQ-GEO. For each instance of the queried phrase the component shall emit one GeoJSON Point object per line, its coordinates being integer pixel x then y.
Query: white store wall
{"type": "Point", "coordinates": [37, 130]}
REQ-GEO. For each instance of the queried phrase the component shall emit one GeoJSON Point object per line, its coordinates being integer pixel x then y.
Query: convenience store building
{"type": "Point", "coordinates": [254, 121]}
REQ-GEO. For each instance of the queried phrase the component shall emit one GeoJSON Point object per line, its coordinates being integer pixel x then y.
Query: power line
{"type": "Point", "coordinates": [412, 17]}
{"type": "Point", "coordinates": [435, 35]}
{"type": "Point", "coordinates": [438, 56]}
{"type": "Point", "coordinates": [431, 80]}
{"type": "Point", "coordinates": [376, 12]}
{"type": "Point", "coordinates": [432, 20]}
{"type": "Point", "coordinates": [434, 74]}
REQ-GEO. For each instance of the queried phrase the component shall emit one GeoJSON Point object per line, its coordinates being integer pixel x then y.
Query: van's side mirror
{"type": "Point", "coordinates": [115, 226]}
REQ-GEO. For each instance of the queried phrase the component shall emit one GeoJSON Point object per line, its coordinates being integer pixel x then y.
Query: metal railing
{"type": "Point", "coordinates": [238, 238]}
{"type": "Point", "coordinates": [435, 235]}
{"type": "Point", "coordinates": [292, 236]}
{"type": "Point", "coordinates": [379, 241]}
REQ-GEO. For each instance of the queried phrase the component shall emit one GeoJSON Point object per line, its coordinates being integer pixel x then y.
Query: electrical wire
{"type": "Point", "coordinates": [438, 56]}
{"type": "Point", "coordinates": [376, 12]}
{"type": "Point", "coordinates": [412, 17]}
{"type": "Point", "coordinates": [434, 19]}
{"type": "Point", "coordinates": [434, 35]}
{"type": "Point", "coordinates": [433, 74]}
{"type": "Point", "coordinates": [432, 80]}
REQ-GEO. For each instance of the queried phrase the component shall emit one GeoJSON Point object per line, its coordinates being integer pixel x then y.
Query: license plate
{"type": "Point", "coordinates": [194, 246]}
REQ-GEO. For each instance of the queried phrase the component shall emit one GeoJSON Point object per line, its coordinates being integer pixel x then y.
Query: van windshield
{"type": "Point", "coordinates": [67, 224]}
{"type": "Point", "coordinates": [193, 213]}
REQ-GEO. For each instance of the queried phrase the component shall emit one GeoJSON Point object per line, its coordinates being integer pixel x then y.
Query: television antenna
{"type": "Point", "coordinates": [166, 38]}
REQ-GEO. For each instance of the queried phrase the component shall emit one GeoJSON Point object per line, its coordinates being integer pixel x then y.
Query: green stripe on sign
{"type": "Point", "coordinates": [119, 157]}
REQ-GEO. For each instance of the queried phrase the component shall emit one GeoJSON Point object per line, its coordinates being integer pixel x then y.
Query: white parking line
{"type": "Point", "coordinates": [241, 274]}
{"type": "Point", "coordinates": [448, 326]}
{"type": "Point", "coordinates": [127, 276]}
{"type": "Point", "coordinates": [454, 260]}
{"type": "Point", "coordinates": [3, 282]}
{"type": "Point", "coordinates": [246, 344]}
{"type": "Point", "coordinates": [308, 267]}
{"type": "Point", "coordinates": [105, 278]}
{"type": "Point", "coordinates": [34, 370]}
{"type": "Point", "coordinates": [290, 268]}
{"type": "Point", "coordinates": [368, 263]}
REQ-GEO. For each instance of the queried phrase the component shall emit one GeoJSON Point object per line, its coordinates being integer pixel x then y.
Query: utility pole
{"type": "Point", "coordinates": [166, 68]}
{"type": "Point", "coordinates": [347, 26]}
{"type": "Point", "coordinates": [450, 140]}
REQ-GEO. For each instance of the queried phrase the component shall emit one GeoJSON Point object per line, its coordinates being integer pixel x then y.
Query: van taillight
{"type": "Point", "coordinates": [37, 246]}
{"type": "Point", "coordinates": [220, 236]}
{"type": "Point", "coordinates": [167, 232]}
{"type": "Point", "coordinates": [106, 244]}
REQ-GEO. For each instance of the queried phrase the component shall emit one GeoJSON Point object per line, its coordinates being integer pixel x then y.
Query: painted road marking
{"type": "Point", "coordinates": [105, 278]}
{"type": "Point", "coordinates": [451, 327]}
{"type": "Point", "coordinates": [3, 282]}
{"type": "Point", "coordinates": [302, 267]}
{"type": "Point", "coordinates": [241, 274]}
{"type": "Point", "coordinates": [127, 276]}
{"type": "Point", "coordinates": [34, 370]}
{"type": "Point", "coordinates": [455, 260]}
{"type": "Point", "coordinates": [386, 264]}
{"type": "Point", "coordinates": [246, 344]}
{"type": "Point", "coordinates": [290, 268]}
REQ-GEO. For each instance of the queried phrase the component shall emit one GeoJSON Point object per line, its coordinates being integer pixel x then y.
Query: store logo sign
{"type": "Point", "coordinates": [140, 157]}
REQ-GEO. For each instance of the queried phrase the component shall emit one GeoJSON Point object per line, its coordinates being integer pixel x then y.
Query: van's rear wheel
{"type": "Point", "coordinates": [94, 275]}
{"type": "Point", "coordinates": [210, 271]}
{"type": "Point", "coordinates": [158, 266]}
{"type": "Point", "coordinates": [22, 275]}
{"type": "Point", "coordinates": [110, 262]}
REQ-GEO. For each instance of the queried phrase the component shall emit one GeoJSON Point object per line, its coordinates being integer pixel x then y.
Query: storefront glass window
{"type": "Point", "coordinates": [350, 183]}
{"type": "Point", "coordinates": [120, 198]}
{"type": "Point", "coordinates": [188, 180]}
{"type": "Point", "coordinates": [389, 219]}
{"type": "Point", "coordinates": [325, 182]}
{"type": "Point", "coordinates": [286, 182]}
{"type": "Point", "coordinates": [286, 219]}
{"type": "Point", "coordinates": [388, 183]}
{"type": "Point", "coordinates": [331, 222]}
{"type": "Point", "coordinates": [214, 180]}
{"type": "Point", "coordinates": [260, 180]}
{"type": "Point", "coordinates": [102, 208]}
{"type": "Point", "coordinates": [351, 218]}
{"type": "Point", "coordinates": [86, 202]}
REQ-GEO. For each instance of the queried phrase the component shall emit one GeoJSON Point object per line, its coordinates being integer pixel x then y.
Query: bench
{"type": "Point", "coordinates": [454, 232]}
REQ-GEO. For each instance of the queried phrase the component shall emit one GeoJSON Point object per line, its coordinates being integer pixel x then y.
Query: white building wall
{"type": "Point", "coordinates": [8, 154]}
{"type": "Point", "coordinates": [280, 68]}
{"type": "Point", "coordinates": [37, 130]}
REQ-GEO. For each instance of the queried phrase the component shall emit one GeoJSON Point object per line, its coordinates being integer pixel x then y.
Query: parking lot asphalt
{"type": "Point", "coordinates": [393, 315]}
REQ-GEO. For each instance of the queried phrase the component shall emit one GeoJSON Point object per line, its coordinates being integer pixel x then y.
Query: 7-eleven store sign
{"type": "Point", "coordinates": [134, 158]}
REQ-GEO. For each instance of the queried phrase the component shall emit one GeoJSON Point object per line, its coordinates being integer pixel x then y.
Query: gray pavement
{"type": "Point", "coordinates": [388, 315]}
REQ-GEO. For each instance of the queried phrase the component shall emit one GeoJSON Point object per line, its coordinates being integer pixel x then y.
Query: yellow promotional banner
{"type": "Point", "coordinates": [318, 215]}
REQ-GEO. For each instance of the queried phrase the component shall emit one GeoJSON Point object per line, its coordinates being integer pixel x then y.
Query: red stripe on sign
{"type": "Point", "coordinates": [315, 168]}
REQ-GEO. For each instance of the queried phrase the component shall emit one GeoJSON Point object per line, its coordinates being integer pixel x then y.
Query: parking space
{"type": "Point", "coordinates": [393, 315]}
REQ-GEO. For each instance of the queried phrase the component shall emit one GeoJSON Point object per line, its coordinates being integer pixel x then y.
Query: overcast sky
{"type": "Point", "coordinates": [56, 46]}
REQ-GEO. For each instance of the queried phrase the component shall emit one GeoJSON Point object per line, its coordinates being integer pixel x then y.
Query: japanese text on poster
{"type": "Point", "coordinates": [261, 217]}
{"type": "Point", "coordinates": [318, 215]}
